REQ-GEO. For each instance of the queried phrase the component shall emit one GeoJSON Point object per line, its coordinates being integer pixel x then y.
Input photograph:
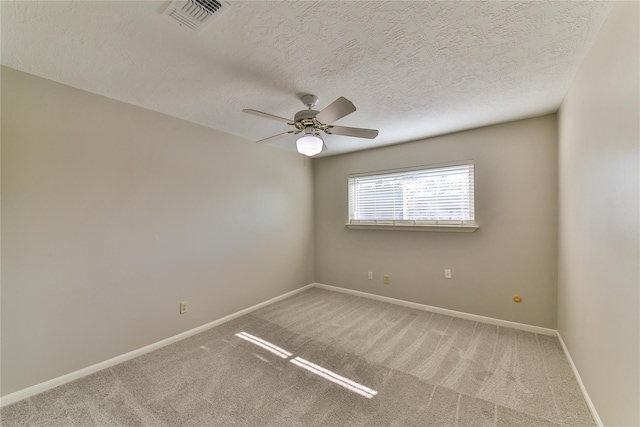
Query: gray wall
{"type": "Point", "coordinates": [513, 252]}
{"type": "Point", "coordinates": [599, 235]}
{"type": "Point", "coordinates": [112, 215]}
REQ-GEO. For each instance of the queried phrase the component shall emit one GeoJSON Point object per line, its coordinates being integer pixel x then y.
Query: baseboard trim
{"type": "Point", "coordinates": [592, 407]}
{"type": "Point", "coordinates": [48, 385]}
{"type": "Point", "coordinates": [453, 313]}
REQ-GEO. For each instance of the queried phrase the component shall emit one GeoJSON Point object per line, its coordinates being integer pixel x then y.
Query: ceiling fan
{"type": "Point", "coordinates": [312, 122]}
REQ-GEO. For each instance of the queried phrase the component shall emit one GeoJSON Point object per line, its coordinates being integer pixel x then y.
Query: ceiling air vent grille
{"type": "Point", "coordinates": [195, 14]}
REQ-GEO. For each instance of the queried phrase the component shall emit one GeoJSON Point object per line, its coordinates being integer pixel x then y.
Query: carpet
{"type": "Point", "coordinates": [324, 358]}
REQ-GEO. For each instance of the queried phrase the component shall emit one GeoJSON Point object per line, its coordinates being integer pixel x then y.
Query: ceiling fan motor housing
{"type": "Point", "coordinates": [306, 120]}
{"type": "Point", "coordinates": [305, 114]}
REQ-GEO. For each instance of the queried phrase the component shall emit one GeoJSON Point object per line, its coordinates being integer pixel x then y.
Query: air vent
{"type": "Point", "coordinates": [195, 14]}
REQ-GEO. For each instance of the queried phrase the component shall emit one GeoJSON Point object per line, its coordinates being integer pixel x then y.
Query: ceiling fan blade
{"type": "Point", "coordinates": [357, 132]}
{"type": "Point", "coordinates": [335, 111]}
{"type": "Point", "coordinates": [274, 137]}
{"type": "Point", "coordinates": [268, 116]}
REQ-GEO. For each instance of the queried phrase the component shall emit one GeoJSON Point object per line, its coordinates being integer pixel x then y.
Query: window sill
{"type": "Point", "coordinates": [450, 228]}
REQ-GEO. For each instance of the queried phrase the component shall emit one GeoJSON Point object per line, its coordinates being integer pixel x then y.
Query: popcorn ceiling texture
{"type": "Point", "coordinates": [413, 69]}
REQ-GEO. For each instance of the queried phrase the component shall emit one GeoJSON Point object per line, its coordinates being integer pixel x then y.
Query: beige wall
{"type": "Point", "coordinates": [599, 236]}
{"type": "Point", "coordinates": [513, 252]}
{"type": "Point", "coordinates": [112, 215]}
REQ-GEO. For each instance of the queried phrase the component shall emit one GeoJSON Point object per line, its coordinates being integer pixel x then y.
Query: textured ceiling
{"type": "Point", "coordinates": [413, 69]}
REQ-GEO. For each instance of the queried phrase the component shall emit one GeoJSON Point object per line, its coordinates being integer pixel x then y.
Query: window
{"type": "Point", "coordinates": [439, 197]}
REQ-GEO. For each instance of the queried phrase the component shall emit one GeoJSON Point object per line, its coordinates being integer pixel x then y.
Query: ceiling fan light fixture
{"type": "Point", "coordinates": [313, 122]}
{"type": "Point", "coordinates": [309, 145]}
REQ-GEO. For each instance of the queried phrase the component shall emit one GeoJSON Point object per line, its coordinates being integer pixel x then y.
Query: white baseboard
{"type": "Point", "coordinates": [592, 408]}
{"type": "Point", "coordinates": [453, 313]}
{"type": "Point", "coordinates": [483, 319]}
{"type": "Point", "coordinates": [48, 385]}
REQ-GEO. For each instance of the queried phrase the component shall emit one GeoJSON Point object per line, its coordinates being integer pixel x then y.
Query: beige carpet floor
{"type": "Point", "coordinates": [322, 358]}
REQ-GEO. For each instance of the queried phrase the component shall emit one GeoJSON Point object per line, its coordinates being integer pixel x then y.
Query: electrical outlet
{"type": "Point", "coordinates": [385, 279]}
{"type": "Point", "coordinates": [183, 307]}
{"type": "Point", "coordinates": [447, 273]}
{"type": "Point", "coordinates": [371, 275]}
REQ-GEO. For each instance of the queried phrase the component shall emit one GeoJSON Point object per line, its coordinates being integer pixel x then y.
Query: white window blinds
{"type": "Point", "coordinates": [439, 195]}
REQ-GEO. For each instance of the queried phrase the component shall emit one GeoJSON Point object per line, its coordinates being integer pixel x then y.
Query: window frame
{"type": "Point", "coordinates": [468, 226]}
